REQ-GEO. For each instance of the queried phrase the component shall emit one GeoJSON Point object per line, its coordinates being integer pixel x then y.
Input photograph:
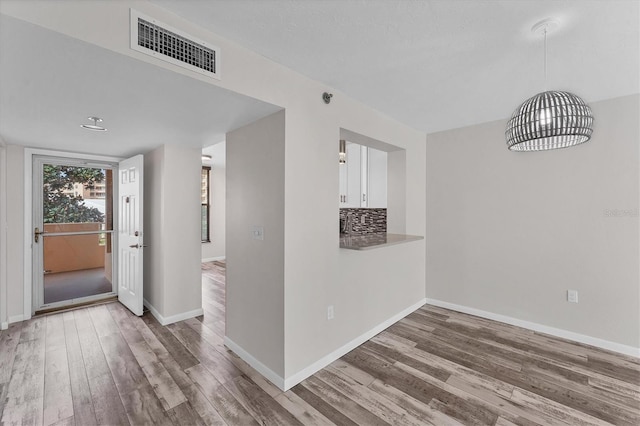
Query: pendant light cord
{"type": "Point", "coordinates": [545, 59]}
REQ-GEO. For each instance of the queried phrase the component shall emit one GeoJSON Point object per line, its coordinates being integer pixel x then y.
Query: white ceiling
{"type": "Point", "coordinates": [438, 64]}
{"type": "Point", "coordinates": [432, 64]}
{"type": "Point", "coordinates": [50, 84]}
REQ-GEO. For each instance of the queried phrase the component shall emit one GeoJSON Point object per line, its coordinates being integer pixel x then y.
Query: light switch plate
{"type": "Point", "coordinates": [257, 232]}
{"type": "Point", "coordinates": [330, 312]}
{"type": "Point", "coordinates": [572, 296]}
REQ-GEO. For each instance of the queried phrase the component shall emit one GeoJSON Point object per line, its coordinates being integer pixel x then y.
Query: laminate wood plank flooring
{"type": "Point", "coordinates": [101, 365]}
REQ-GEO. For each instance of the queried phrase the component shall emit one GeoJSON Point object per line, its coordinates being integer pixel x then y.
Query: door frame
{"type": "Point", "coordinates": [37, 219]}
{"type": "Point", "coordinates": [4, 306]}
{"type": "Point", "coordinates": [29, 297]}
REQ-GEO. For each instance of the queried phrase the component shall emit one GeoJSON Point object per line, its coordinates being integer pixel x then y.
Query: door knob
{"type": "Point", "coordinates": [137, 246]}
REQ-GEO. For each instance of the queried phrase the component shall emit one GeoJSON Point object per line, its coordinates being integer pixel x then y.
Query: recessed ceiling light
{"type": "Point", "coordinates": [94, 126]}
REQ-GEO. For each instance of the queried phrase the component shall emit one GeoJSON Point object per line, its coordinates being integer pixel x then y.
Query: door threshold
{"type": "Point", "coordinates": [71, 307]}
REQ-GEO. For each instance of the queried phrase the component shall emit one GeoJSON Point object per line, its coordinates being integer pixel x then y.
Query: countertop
{"type": "Point", "coordinates": [372, 241]}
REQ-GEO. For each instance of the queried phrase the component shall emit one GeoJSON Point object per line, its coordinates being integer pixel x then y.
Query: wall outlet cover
{"type": "Point", "coordinates": [572, 296]}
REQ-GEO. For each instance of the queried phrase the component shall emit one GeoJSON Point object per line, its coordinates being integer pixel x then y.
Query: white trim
{"type": "Point", "coordinates": [348, 347]}
{"type": "Point", "coordinates": [328, 359]}
{"type": "Point", "coordinates": [173, 318]}
{"type": "Point", "coordinates": [211, 259]}
{"type": "Point", "coordinates": [4, 305]}
{"type": "Point", "coordinates": [558, 332]}
{"type": "Point", "coordinates": [29, 308]}
{"type": "Point", "coordinates": [153, 311]}
{"type": "Point", "coordinates": [16, 318]}
{"type": "Point", "coordinates": [257, 365]}
{"type": "Point", "coordinates": [286, 384]}
{"type": "Point", "coordinates": [27, 281]}
{"type": "Point", "coordinates": [78, 300]}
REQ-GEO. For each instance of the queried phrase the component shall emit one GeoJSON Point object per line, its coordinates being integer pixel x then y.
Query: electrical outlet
{"type": "Point", "coordinates": [330, 312]}
{"type": "Point", "coordinates": [362, 219]}
{"type": "Point", "coordinates": [572, 296]}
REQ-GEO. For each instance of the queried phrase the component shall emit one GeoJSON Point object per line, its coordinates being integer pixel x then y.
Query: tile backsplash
{"type": "Point", "coordinates": [375, 220]}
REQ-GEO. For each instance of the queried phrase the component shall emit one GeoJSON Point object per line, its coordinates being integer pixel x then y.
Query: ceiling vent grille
{"type": "Point", "coordinates": [163, 42]}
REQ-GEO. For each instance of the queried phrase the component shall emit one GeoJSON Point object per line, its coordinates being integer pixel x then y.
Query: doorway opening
{"type": "Point", "coordinates": [73, 232]}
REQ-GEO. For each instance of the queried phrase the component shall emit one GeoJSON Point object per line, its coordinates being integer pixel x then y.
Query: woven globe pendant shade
{"type": "Point", "coordinates": [549, 120]}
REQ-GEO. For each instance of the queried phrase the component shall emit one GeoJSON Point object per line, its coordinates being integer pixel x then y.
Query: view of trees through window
{"type": "Point", "coordinates": [65, 189]}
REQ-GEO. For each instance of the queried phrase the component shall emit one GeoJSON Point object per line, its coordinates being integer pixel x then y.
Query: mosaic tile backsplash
{"type": "Point", "coordinates": [375, 220]}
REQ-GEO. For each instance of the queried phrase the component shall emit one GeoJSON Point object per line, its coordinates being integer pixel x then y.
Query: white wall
{"type": "Point", "coordinates": [366, 288]}
{"type": "Point", "coordinates": [15, 233]}
{"type": "Point", "coordinates": [510, 232]}
{"type": "Point", "coordinates": [217, 187]}
{"type": "Point", "coordinates": [172, 278]}
{"type": "Point", "coordinates": [255, 268]}
{"type": "Point", "coordinates": [4, 319]}
{"type": "Point", "coordinates": [316, 272]}
{"type": "Point", "coordinates": [154, 258]}
{"type": "Point", "coordinates": [181, 231]}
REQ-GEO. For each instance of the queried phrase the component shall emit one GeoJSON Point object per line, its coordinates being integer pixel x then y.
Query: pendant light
{"type": "Point", "coordinates": [551, 119]}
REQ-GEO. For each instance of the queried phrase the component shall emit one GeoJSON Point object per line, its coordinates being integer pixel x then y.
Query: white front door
{"type": "Point", "coordinates": [130, 233]}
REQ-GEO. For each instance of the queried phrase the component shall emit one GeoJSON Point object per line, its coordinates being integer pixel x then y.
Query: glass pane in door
{"type": "Point", "coordinates": [77, 220]}
{"type": "Point", "coordinates": [76, 266]}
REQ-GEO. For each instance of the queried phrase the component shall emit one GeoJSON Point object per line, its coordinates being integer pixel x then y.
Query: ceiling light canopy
{"type": "Point", "coordinates": [94, 126]}
{"type": "Point", "coordinates": [551, 119]}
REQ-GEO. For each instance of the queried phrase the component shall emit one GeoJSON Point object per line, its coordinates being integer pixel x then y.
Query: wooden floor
{"type": "Point", "coordinates": [102, 365]}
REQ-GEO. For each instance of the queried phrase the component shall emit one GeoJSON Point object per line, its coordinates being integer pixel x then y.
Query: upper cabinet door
{"type": "Point", "coordinates": [364, 176]}
{"type": "Point", "coordinates": [363, 179]}
{"type": "Point", "coordinates": [343, 185]}
{"type": "Point", "coordinates": [354, 191]}
{"type": "Point", "coordinates": [377, 179]}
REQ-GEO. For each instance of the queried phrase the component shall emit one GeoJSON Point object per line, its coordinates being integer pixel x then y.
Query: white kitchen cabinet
{"type": "Point", "coordinates": [354, 170]}
{"type": "Point", "coordinates": [376, 187]}
{"type": "Point", "coordinates": [343, 185]}
{"type": "Point", "coordinates": [363, 178]}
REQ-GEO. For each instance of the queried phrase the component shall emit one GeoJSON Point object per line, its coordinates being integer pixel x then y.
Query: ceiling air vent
{"type": "Point", "coordinates": [163, 42]}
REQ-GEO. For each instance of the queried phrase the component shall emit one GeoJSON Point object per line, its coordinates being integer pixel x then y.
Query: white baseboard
{"type": "Point", "coordinates": [558, 332]}
{"type": "Point", "coordinates": [4, 325]}
{"type": "Point", "coordinates": [211, 259]}
{"type": "Point", "coordinates": [328, 359]}
{"type": "Point", "coordinates": [286, 384]}
{"type": "Point", "coordinates": [253, 362]}
{"type": "Point", "coordinates": [16, 318]}
{"type": "Point", "coordinates": [173, 318]}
